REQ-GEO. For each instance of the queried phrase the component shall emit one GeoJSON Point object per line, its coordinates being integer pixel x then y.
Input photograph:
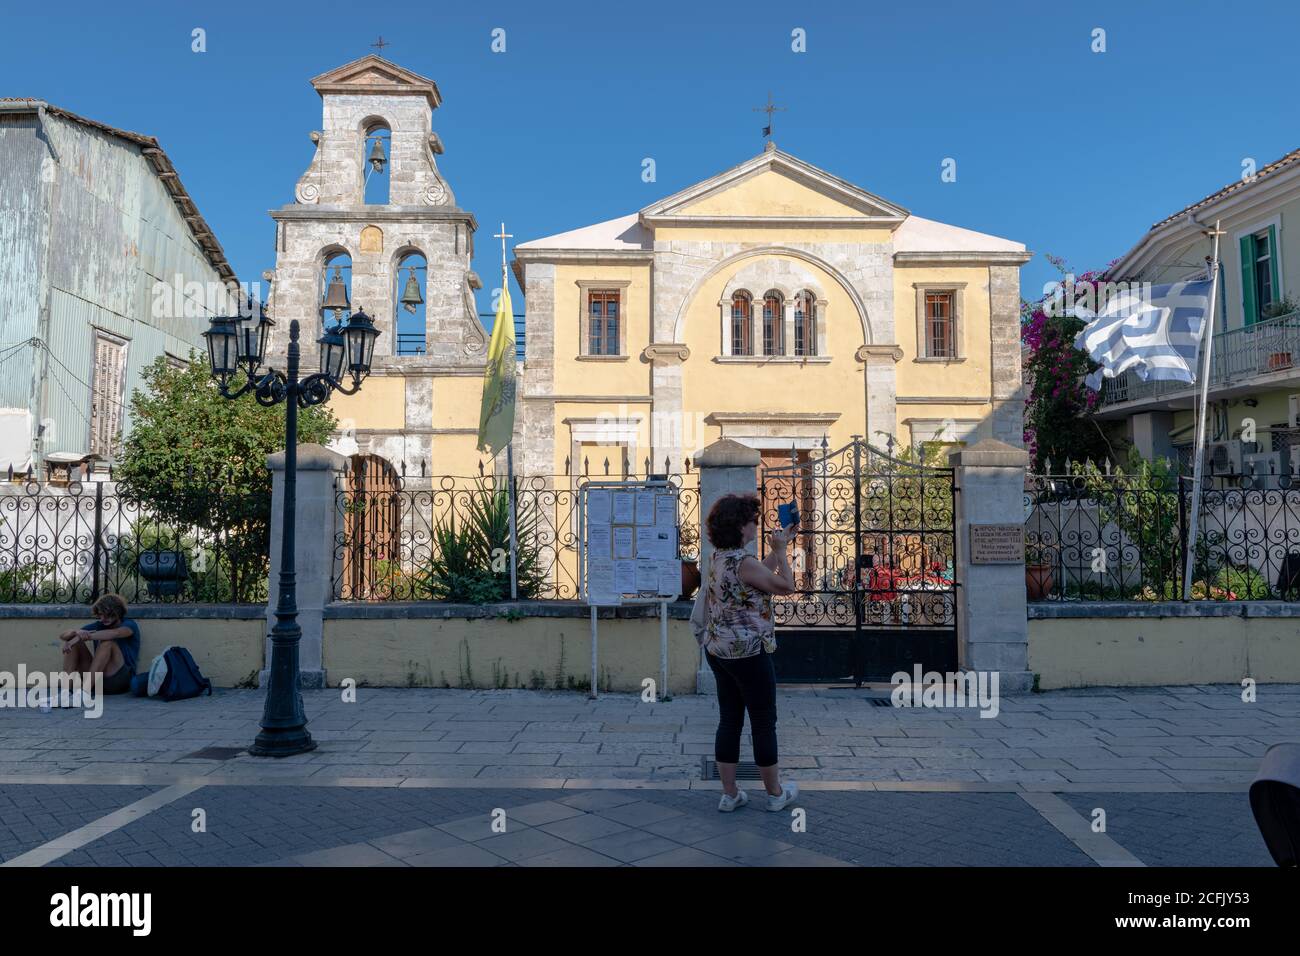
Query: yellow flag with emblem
{"type": "Point", "coordinates": [496, 420]}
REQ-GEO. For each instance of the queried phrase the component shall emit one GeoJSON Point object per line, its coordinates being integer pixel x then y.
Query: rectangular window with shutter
{"type": "Point", "coordinates": [1259, 279]}
{"type": "Point", "coordinates": [108, 383]}
{"type": "Point", "coordinates": [939, 339]}
{"type": "Point", "coordinates": [603, 319]}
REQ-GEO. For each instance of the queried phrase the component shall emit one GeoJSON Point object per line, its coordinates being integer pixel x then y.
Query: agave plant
{"type": "Point", "coordinates": [471, 552]}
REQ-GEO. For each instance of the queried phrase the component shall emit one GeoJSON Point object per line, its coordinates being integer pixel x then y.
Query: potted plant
{"type": "Point", "coordinates": [1040, 564]}
{"type": "Point", "coordinates": [688, 539]}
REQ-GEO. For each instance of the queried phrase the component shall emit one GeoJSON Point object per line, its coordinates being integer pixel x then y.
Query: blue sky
{"type": "Point", "coordinates": [1072, 152]}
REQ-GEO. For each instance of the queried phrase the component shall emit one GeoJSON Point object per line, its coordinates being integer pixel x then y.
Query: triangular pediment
{"type": "Point", "coordinates": [774, 185]}
{"type": "Point", "coordinates": [376, 76]}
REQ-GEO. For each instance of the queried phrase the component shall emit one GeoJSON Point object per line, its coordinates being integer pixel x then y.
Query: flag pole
{"type": "Point", "coordinates": [1199, 452]}
{"type": "Point", "coordinates": [510, 454]}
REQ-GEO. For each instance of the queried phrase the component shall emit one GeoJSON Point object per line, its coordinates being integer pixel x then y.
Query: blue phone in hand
{"type": "Point", "coordinates": [787, 515]}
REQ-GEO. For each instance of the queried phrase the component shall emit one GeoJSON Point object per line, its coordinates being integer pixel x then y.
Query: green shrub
{"type": "Point", "coordinates": [25, 583]}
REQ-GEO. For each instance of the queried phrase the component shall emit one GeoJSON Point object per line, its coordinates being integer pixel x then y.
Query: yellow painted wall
{"type": "Point", "coordinates": [769, 193]}
{"type": "Point", "coordinates": [573, 376]}
{"type": "Point", "coordinates": [1103, 652]}
{"type": "Point", "coordinates": [381, 403]}
{"type": "Point", "coordinates": [973, 377]}
{"type": "Point", "coordinates": [710, 386]}
{"type": "Point", "coordinates": [491, 652]}
{"type": "Point", "coordinates": [228, 652]}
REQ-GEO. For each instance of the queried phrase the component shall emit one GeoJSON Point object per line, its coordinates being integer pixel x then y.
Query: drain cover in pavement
{"type": "Point", "coordinates": [745, 770]}
{"type": "Point", "coordinates": [215, 753]}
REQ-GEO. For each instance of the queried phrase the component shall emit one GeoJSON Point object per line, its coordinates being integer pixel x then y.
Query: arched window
{"type": "Point", "coordinates": [376, 160]}
{"type": "Point", "coordinates": [742, 331]}
{"type": "Point", "coordinates": [336, 271]}
{"type": "Point", "coordinates": [409, 288]}
{"type": "Point", "coordinates": [773, 340]}
{"type": "Point", "coordinates": [805, 323]}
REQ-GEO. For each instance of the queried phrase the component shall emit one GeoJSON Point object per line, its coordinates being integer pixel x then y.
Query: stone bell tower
{"type": "Point", "coordinates": [377, 118]}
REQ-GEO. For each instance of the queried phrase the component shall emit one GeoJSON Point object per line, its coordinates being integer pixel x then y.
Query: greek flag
{"type": "Point", "coordinates": [1156, 336]}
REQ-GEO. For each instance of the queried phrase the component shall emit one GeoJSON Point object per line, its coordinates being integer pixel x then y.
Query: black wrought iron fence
{"type": "Point", "coordinates": [450, 541]}
{"type": "Point", "coordinates": [69, 543]}
{"type": "Point", "coordinates": [1093, 535]}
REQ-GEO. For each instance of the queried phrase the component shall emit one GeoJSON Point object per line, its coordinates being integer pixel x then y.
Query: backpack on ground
{"type": "Point", "coordinates": [174, 676]}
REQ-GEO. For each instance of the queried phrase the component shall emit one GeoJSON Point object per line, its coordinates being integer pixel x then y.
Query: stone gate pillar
{"type": "Point", "coordinates": [726, 468]}
{"type": "Point", "coordinates": [993, 633]}
{"type": "Point", "coordinates": [313, 553]}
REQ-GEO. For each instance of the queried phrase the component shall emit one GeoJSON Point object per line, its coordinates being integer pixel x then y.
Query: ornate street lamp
{"type": "Point", "coordinates": [237, 348]}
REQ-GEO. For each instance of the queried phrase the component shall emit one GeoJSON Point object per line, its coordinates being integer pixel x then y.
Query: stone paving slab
{"type": "Point", "coordinates": [1184, 737]}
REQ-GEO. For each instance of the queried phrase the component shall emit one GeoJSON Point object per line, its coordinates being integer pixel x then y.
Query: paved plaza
{"type": "Point", "coordinates": [460, 778]}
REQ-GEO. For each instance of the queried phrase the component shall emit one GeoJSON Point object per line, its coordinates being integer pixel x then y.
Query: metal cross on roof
{"type": "Point", "coordinates": [769, 109]}
{"type": "Point", "coordinates": [380, 44]}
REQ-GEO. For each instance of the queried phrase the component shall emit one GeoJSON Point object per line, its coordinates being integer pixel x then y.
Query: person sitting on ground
{"type": "Point", "coordinates": [116, 640]}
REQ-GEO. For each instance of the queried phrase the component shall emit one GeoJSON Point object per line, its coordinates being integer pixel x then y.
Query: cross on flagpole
{"type": "Point", "coordinates": [510, 445]}
{"type": "Point", "coordinates": [503, 236]}
{"type": "Point", "coordinates": [380, 44]}
{"type": "Point", "coordinates": [1207, 343]}
{"type": "Point", "coordinates": [769, 109]}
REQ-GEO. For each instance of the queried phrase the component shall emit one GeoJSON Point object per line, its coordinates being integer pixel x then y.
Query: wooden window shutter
{"type": "Point", "coordinates": [1272, 263]}
{"type": "Point", "coordinates": [1248, 307]}
{"type": "Point", "coordinates": [106, 396]}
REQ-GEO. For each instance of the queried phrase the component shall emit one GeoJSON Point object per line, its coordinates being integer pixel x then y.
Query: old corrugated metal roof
{"type": "Point", "coordinates": [1276, 166]}
{"type": "Point", "coordinates": [162, 166]}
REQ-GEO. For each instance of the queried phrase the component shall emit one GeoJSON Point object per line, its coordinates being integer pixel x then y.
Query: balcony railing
{"type": "Point", "coordinates": [410, 343]}
{"type": "Point", "coordinates": [1239, 355]}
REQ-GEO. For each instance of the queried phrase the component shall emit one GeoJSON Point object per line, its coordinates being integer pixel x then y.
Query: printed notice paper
{"type": "Point", "coordinates": [656, 544]}
{"type": "Point", "coordinates": [645, 508]}
{"type": "Point", "coordinates": [598, 543]}
{"type": "Point", "coordinates": [601, 587]}
{"type": "Point", "coordinates": [597, 507]}
{"type": "Point", "coordinates": [647, 575]}
{"type": "Point", "coordinates": [624, 507]}
{"type": "Point", "coordinates": [625, 577]}
{"type": "Point", "coordinates": [670, 578]}
{"type": "Point", "coordinates": [665, 511]}
{"type": "Point", "coordinates": [624, 546]}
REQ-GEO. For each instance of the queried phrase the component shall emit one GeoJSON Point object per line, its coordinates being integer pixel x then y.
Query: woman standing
{"type": "Point", "coordinates": [740, 639]}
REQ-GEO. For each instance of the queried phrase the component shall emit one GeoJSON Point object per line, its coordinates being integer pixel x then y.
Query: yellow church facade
{"type": "Point", "coordinates": [775, 305]}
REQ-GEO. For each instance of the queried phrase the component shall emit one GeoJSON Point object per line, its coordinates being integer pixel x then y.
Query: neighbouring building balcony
{"type": "Point", "coordinates": [1258, 356]}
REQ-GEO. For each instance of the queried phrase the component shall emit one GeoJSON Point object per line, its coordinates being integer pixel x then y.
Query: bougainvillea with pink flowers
{"type": "Point", "coordinates": [1059, 407]}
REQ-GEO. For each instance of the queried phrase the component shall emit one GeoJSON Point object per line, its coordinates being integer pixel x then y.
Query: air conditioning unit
{"type": "Point", "coordinates": [1224, 457]}
{"type": "Point", "coordinates": [1293, 411]}
{"type": "Point", "coordinates": [1263, 464]}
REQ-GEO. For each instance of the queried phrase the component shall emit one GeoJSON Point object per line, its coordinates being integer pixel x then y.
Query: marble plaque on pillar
{"type": "Point", "coordinates": [997, 544]}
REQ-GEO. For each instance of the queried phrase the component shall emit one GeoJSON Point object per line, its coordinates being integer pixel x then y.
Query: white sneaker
{"type": "Point", "coordinates": [789, 794]}
{"type": "Point", "coordinates": [727, 804]}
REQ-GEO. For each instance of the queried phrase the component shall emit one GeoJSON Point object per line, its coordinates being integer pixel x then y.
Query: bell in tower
{"type": "Point", "coordinates": [411, 294]}
{"type": "Point", "coordinates": [336, 298]}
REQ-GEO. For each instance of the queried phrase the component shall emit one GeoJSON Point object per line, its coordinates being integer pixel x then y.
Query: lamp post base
{"type": "Point", "coordinates": [282, 743]}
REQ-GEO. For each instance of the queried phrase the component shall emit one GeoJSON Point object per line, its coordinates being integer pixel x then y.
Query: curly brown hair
{"type": "Point", "coordinates": [728, 517]}
{"type": "Point", "coordinates": [109, 604]}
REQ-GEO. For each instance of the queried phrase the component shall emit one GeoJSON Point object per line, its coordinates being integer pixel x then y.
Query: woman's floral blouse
{"type": "Point", "coordinates": [740, 617]}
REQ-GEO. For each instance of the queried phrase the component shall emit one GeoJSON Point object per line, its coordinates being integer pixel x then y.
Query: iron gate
{"type": "Point", "coordinates": [874, 564]}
